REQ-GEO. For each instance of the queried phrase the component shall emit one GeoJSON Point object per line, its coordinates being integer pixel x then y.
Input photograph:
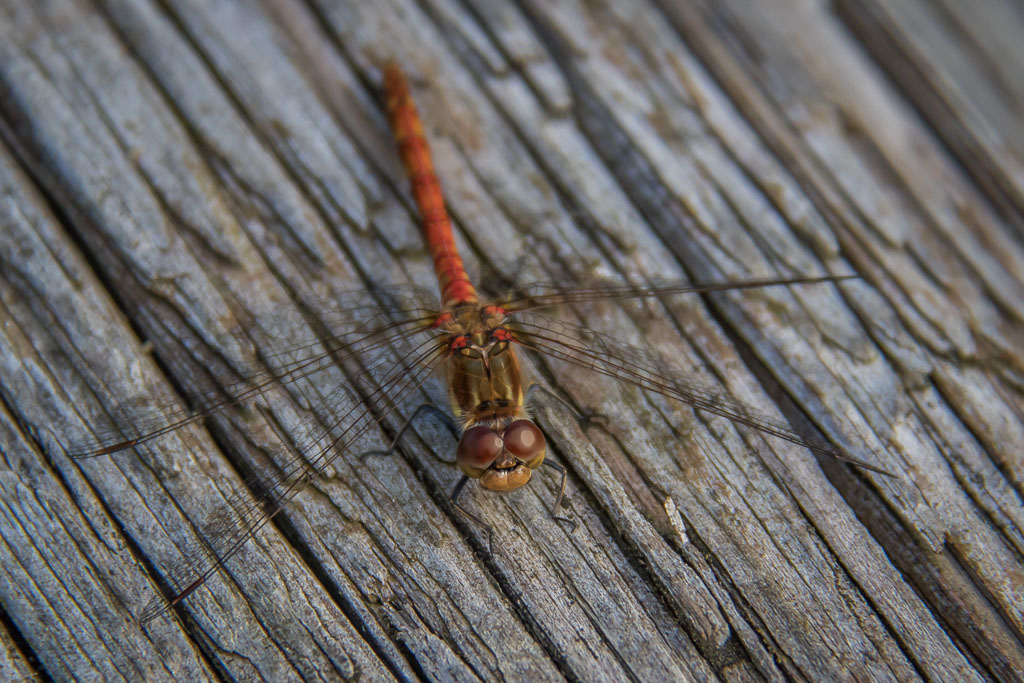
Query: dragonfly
{"type": "Point", "coordinates": [477, 345]}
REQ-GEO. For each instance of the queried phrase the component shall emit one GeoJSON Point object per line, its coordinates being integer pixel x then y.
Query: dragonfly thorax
{"type": "Point", "coordinates": [472, 323]}
{"type": "Point", "coordinates": [484, 378]}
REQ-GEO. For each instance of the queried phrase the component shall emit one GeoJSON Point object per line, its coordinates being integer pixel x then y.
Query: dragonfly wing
{"type": "Point", "coordinates": [542, 295]}
{"type": "Point", "coordinates": [599, 353]}
{"type": "Point", "coordinates": [375, 391]}
{"type": "Point", "coordinates": [361, 338]}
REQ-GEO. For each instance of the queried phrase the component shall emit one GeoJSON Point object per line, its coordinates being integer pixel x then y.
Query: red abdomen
{"type": "Point", "coordinates": [426, 190]}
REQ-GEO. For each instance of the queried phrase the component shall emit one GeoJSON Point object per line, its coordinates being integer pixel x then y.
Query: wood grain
{"type": "Point", "coordinates": [190, 186]}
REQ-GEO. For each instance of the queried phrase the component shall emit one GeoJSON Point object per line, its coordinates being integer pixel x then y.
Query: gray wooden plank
{"type": "Point", "coordinates": [70, 578]}
{"type": "Point", "coordinates": [219, 162]}
{"type": "Point", "coordinates": [958, 63]}
{"type": "Point", "coordinates": [899, 204]}
{"type": "Point", "coordinates": [13, 664]}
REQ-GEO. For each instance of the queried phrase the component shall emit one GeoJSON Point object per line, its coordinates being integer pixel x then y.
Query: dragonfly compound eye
{"type": "Point", "coordinates": [478, 448]}
{"type": "Point", "coordinates": [524, 440]}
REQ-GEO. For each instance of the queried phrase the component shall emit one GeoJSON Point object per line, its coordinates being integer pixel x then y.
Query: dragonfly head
{"type": "Point", "coordinates": [501, 460]}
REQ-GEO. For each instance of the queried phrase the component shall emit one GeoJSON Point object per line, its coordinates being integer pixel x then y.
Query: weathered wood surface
{"type": "Point", "coordinates": [172, 169]}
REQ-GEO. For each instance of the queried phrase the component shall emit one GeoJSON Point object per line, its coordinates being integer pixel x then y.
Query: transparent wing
{"type": "Point", "coordinates": [597, 352]}
{"type": "Point", "coordinates": [373, 393]}
{"type": "Point", "coordinates": [359, 333]}
{"type": "Point", "coordinates": [378, 355]}
{"type": "Point", "coordinates": [542, 295]}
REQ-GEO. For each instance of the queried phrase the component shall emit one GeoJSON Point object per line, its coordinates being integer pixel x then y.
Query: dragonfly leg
{"type": "Point", "coordinates": [561, 494]}
{"type": "Point", "coordinates": [454, 498]}
{"type": "Point", "coordinates": [584, 417]}
{"type": "Point", "coordinates": [423, 408]}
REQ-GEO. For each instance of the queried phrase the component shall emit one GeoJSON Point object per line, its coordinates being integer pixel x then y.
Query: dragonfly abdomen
{"type": "Point", "coordinates": [426, 190]}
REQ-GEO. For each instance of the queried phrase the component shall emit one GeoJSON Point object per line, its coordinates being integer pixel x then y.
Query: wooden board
{"type": "Point", "coordinates": [189, 186]}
